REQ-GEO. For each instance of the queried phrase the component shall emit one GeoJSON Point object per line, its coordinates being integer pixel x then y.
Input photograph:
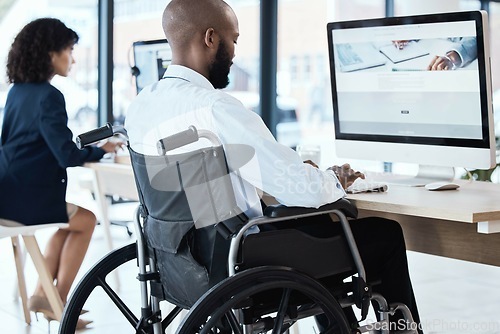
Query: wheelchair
{"type": "Point", "coordinates": [227, 278]}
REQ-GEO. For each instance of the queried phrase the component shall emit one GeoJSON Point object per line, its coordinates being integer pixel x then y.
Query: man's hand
{"type": "Point", "coordinates": [445, 63]}
{"type": "Point", "coordinates": [346, 174]}
{"type": "Point", "coordinates": [400, 44]}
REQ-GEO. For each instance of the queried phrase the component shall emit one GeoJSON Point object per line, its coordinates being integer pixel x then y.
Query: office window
{"type": "Point", "coordinates": [306, 69]}
{"type": "Point", "coordinates": [134, 21]}
{"type": "Point", "coordinates": [244, 76]}
{"type": "Point", "coordinates": [80, 88]}
{"type": "Point", "coordinates": [356, 9]}
{"type": "Point", "coordinates": [294, 68]}
{"type": "Point", "coordinates": [305, 82]}
{"type": "Point", "coordinates": [402, 7]}
{"type": "Point", "coordinates": [141, 21]}
{"type": "Point", "coordinates": [124, 8]}
{"type": "Point", "coordinates": [319, 64]}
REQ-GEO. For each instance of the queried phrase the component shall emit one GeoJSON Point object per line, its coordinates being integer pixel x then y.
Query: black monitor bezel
{"type": "Point", "coordinates": [485, 98]}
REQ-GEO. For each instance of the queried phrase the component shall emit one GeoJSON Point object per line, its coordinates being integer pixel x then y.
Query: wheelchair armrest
{"type": "Point", "coordinates": [283, 213]}
{"type": "Point", "coordinates": [276, 211]}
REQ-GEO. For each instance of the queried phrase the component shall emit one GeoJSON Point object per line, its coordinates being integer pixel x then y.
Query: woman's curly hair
{"type": "Point", "coordinates": [29, 59]}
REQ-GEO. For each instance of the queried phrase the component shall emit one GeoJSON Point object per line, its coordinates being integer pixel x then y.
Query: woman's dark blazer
{"type": "Point", "coordinates": [36, 147]}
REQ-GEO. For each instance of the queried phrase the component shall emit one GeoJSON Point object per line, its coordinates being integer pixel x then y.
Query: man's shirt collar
{"type": "Point", "coordinates": [182, 72]}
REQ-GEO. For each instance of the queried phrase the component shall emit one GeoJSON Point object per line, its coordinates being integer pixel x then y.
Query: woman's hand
{"type": "Point", "coordinates": [111, 146]}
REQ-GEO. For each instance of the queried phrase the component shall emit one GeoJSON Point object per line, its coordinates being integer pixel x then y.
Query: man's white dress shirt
{"type": "Point", "coordinates": [183, 97]}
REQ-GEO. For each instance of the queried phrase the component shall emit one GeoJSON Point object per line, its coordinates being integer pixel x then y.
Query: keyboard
{"type": "Point", "coordinates": [366, 186]}
{"type": "Point", "coordinates": [346, 55]}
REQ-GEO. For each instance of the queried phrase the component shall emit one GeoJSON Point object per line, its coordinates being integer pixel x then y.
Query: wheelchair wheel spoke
{"type": "Point", "coordinates": [253, 293]}
{"type": "Point", "coordinates": [225, 323]}
{"type": "Point", "coordinates": [280, 316]}
{"type": "Point", "coordinates": [170, 317]}
{"type": "Point", "coordinates": [132, 319]}
{"type": "Point", "coordinates": [117, 305]}
{"type": "Point", "coordinates": [233, 322]}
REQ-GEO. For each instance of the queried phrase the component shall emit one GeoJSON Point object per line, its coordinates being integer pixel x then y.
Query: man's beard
{"type": "Point", "coordinates": [218, 74]}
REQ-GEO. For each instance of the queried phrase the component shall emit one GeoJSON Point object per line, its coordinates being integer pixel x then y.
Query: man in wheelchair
{"type": "Point", "coordinates": [203, 35]}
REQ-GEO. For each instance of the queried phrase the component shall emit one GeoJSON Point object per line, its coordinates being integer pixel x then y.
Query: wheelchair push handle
{"type": "Point", "coordinates": [177, 140]}
{"type": "Point", "coordinates": [98, 134]}
{"type": "Point", "coordinates": [185, 137]}
{"type": "Point", "coordinates": [164, 145]}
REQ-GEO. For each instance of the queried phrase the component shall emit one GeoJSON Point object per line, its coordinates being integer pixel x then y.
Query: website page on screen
{"type": "Point", "coordinates": [384, 86]}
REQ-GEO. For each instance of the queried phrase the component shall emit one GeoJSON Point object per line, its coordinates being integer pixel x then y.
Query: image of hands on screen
{"type": "Point", "coordinates": [433, 54]}
{"type": "Point", "coordinates": [461, 52]}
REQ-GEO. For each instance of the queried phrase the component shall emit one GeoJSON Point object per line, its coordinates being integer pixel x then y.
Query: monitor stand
{"type": "Point", "coordinates": [426, 174]}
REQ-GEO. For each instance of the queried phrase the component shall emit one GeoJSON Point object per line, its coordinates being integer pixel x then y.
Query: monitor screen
{"type": "Point", "coordinates": [413, 89]}
{"type": "Point", "coordinates": [151, 59]}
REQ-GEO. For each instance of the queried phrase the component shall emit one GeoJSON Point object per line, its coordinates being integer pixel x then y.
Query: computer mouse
{"type": "Point", "coordinates": [441, 185]}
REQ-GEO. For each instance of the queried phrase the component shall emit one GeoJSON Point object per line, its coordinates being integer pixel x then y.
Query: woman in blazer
{"type": "Point", "coordinates": [37, 146]}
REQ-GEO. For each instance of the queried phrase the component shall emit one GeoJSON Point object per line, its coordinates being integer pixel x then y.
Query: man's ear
{"type": "Point", "coordinates": [210, 38]}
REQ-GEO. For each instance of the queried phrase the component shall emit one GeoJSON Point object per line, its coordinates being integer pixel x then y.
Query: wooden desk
{"type": "Point", "coordinates": [111, 179]}
{"type": "Point", "coordinates": [460, 224]}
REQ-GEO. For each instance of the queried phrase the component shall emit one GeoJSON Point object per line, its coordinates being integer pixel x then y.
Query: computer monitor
{"type": "Point", "coordinates": [151, 59]}
{"type": "Point", "coordinates": [388, 105]}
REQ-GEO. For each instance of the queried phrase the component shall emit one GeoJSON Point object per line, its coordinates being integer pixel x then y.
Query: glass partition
{"type": "Point", "coordinates": [141, 21]}
{"type": "Point", "coordinates": [80, 87]}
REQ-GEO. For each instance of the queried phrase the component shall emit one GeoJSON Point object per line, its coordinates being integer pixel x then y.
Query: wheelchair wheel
{"type": "Point", "coordinates": [96, 277]}
{"type": "Point", "coordinates": [240, 304]}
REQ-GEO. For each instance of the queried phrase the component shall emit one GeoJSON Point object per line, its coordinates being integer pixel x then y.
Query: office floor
{"type": "Point", "coordinates": [453, 296]}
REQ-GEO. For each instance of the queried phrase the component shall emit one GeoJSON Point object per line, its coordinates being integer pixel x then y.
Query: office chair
{"type": "Point", "coordinates": [13, 230]}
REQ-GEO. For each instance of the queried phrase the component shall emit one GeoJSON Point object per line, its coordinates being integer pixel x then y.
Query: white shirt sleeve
{"type": "Point", "coordinates": [275, 169]}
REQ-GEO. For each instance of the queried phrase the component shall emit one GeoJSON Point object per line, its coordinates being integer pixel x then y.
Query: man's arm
{"type": "Point", "coordinates": [275, 169]}
{"type": "Point", "coordinates": [463, 51]}
{"type": "Point", "coordinates": [466, 48]}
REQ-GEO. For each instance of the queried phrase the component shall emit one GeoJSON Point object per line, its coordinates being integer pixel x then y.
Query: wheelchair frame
{"type": "Point", "coordinates": [254, 281]}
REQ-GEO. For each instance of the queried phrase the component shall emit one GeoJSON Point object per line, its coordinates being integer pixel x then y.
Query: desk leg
{"type": "Point", "coordinates": [488, 227]}
{"type": "Point", "coordinates": [103, 209]}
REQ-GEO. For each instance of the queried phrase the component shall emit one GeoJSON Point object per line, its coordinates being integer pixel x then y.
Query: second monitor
{"type": "Point", "coordinates": [151, 59]}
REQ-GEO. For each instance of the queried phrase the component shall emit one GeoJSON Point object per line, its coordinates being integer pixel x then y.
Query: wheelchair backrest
{"type": "Point", "coordinates": [183, 196]}
{"type": "Point", "coordinates": [194, 186]}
